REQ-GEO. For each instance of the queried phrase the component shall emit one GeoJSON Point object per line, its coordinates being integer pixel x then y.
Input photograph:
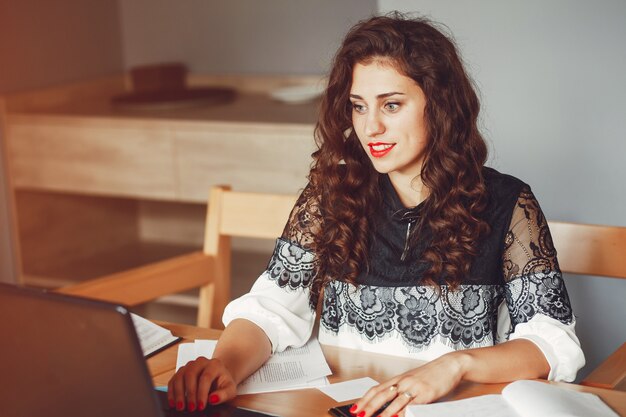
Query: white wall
{"type": "Point", "coordinates": [239, 36]}
{"type": "Point", "coordinates": [553, 80]}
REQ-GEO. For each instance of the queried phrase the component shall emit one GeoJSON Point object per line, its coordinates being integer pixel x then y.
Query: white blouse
{"type": "Point", "coordinates": [420, 321]}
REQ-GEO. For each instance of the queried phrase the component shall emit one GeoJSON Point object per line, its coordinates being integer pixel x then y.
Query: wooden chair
{"type": "Point", "coordinates": [230, 214]}
{"type": "Point", "coordinates": [601, 251]}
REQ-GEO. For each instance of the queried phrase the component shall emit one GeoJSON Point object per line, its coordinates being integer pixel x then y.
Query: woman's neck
{"type": "Point", "coordinates": [411, 190]}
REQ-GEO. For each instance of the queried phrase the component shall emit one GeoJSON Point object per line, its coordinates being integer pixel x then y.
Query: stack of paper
{"type": "Point", "coordinates": [294, 368]}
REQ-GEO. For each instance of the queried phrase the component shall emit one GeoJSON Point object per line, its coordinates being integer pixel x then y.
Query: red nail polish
{"type": "Point", "coordinates": [361, 414]}
{"type": "Point", "coordinates": [172, 403]}
{"type": "Point", "coordinates": [201, 406]}
{"type": "Point", "coordinates": [179, 405]}
{"type": "Point", "coordinates": [213, 399]}
{"type": "Point", "coordinates": [191, 406]}
{"type": "Point", "coordinates": [353, 409]}
{"type": "Point", "coordinates": [395, 415]}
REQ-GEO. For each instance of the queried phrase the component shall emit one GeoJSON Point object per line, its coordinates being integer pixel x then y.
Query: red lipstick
{"type": "Point", "coordinates": [380, 149]}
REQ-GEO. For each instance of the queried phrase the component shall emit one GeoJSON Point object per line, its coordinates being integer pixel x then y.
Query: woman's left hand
{"type": "Point", "coordinates": [422, 385]}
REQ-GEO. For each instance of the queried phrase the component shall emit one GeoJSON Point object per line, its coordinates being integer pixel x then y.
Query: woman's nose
{"type": "Point", "coordinates": [374, 125]}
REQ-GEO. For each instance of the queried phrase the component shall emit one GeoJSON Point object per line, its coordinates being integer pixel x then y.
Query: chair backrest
{"type": "Point", "coordinates": [236, 214]}
{"type": "Point", "coordinates": [601, 251]}
{"type": "Point", "coordinates": [590, 249]}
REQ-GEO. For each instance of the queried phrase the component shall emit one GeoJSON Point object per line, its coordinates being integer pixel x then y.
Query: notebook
{"type": "Point", "coordinates": [66, 356]}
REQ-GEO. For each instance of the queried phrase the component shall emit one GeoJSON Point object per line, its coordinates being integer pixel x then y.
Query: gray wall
{"type": "Point", "coordinates": [239, 36]}
{"type": "Point", "coordinates": [553, 81]}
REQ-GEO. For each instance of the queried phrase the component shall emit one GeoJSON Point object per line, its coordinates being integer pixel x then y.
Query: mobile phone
{"type": "Point", "coordinates": [341, 411]}
{"type": "Point", "coordinates": [344, 410]}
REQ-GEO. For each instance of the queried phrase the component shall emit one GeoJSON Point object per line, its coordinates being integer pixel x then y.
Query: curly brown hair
{"type": "Point", "coordinates": [342, 177]}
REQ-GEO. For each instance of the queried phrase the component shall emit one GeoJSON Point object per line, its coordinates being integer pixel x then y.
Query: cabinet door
{"type": "Point", "coordinates": [258, 160]}
{"type": "Point", "coordinates": [92, 158]}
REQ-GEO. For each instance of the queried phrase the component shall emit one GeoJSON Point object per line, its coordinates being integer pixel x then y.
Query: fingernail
{"type": "Point", "coordinates": [395, 415]}
{"type": "Point", "coordinates": [201, 406]}
{"type": "Point", "coordinates": [179, 405]}
{"type": "Point", "coordinates": [353, 409]}
{"type": "Point", "coordinates": [191, 406]}
{"type": "Point", "coordinates": [172, 403]}
{"type": "Point", "coordinates": [213, 399]}
{"type": "Point", "coordinates": [361, 414]}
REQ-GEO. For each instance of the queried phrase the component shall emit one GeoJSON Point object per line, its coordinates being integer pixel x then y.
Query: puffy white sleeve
{"type": "Point", "coordinates": [280, 300]}
{"type": "Point", "coordinates": [538, 305]}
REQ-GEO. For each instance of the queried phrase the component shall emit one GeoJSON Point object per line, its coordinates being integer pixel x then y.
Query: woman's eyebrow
{"type": "Point", "coordinates": [383, 95]}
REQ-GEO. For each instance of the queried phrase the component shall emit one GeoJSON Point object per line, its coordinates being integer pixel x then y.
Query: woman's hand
{"type": "Point", "coordinates": [200, 382]}
{"type": "Point", "coordinates": [425, 384]}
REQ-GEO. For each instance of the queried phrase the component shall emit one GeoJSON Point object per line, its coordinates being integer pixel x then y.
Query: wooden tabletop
{"type": "Point", "coordinates": [345, 364]}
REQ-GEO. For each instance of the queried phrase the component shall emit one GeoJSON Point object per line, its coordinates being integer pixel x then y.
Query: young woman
{"type": "Point", "coordinates": [413, 246]}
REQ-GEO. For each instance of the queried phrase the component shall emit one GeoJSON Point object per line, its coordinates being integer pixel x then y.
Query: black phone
{"type": "Point", "coordinates": [341, 411]}
{"type": "Point", "coordinates": [344, 410]}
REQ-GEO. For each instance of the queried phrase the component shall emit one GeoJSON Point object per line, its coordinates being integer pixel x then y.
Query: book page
{"type": "Point", "coordinates": [540, 399]}
{"type": "Point", "coordinates": [304, 367]}
{"type": "Point", "coordinates": [152, 337]}
{"type": "Point", "coordinates": [492, 405]}
{"type": "Point", "coordinates": [294, 368]}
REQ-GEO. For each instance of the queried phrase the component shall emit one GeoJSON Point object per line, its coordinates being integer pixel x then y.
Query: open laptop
{"type": "Point", "coordinates": [63, 356]}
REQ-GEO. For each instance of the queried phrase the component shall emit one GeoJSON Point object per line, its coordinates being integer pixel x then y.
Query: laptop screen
{"type": "Point", "coordinates": [63, 356]}
{"type": "Point", "coordinates": [66, 356]}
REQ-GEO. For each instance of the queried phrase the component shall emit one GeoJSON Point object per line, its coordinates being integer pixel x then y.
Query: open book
{"type": "Point", "coordinates": [520, 399]}
{"type": "Point", "coordinates": [152, 337]}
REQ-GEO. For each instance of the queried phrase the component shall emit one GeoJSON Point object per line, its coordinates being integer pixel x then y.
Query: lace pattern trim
{"type": "Point", "coordinates": [291, 266]}
{"type": "Point", "coordinates": [419, 315]}
{"type": "Point", "coordinates": [539, 293]}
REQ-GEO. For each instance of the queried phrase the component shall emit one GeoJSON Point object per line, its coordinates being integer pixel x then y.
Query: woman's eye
{"type": "Point", "coordinates": [359, 108]}
{"type": "Point", "coordinates": [392, 106]}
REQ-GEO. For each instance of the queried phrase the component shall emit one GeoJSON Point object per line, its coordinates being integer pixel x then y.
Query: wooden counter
{"type": "Point", "coordinates": [99, 189]}
{"type": "Point", "coordinates": [87, 146]}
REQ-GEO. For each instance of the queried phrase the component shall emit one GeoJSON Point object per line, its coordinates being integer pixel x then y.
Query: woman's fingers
{"type": "Point", "coordinates": [189, 388]}
{"type": "Point", "coordinates": [192, 372]}
{"type": "Point", "coordinates": [376, 397]}
{"type": "Point", "coordinates": [215, 385]}
{"type": "Point", "coordinates": [226, 390]}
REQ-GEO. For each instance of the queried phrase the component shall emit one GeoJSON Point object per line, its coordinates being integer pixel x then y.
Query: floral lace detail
{"type": "Point", "coordinates": [332, 311]}
{"type": "Point", "coordinates": [464, 318]}
{"type": "Point", "coordinates": [528, 246]}
{"type": "Point", "coordinates": [291, 266]}
{"type": "Point", "coordinates": [304, 221]}
{"type": "Point", "coordinates": [542, 293]}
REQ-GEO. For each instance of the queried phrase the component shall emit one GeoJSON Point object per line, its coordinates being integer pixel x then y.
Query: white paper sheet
{"type": "Point", "coordinates": [483, 406]}
{"type": "Point", "coordinates": [538, 399]}
{"type": "Point", "coordinates": [348, 390]}
{"type": "Point", "coordinates": [294, 368]}
{"type": "Point", "coordinates": [298, 368]}
{"type": "Point", "coordinates": [190, 351]}
{"type": "Point", "coordinates": [152, 337]}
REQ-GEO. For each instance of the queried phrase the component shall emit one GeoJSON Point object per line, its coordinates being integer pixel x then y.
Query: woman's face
{"type": "Point", "coordinates": [388, 118]}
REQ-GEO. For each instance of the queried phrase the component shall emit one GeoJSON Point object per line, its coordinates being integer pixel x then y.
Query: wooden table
{"type": "Point", "coordinates": [345, 364]}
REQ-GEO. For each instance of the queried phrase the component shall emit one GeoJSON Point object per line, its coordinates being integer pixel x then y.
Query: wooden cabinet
{"type": "Point", "coordinates": [65, 156]}
{"type": "Point", "coordinates": [99, 189]}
